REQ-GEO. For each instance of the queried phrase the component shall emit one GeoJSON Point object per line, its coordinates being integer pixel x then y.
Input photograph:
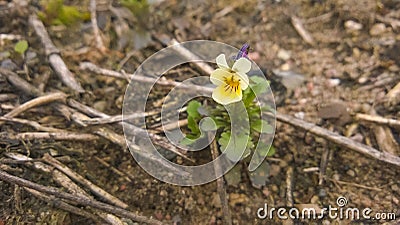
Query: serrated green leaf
{"type": "Point", "coordinates": [192, 108]}
{"type": "Point", "coordinates": [21, 46]}
{"type": "Point", "coordinates": [262, 126]}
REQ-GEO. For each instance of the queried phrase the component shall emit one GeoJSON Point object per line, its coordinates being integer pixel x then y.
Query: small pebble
{"type": "Point", "coordinates": [284, 54]}
{"type": "Point", "coordinates": [8, 64]}
{"type": "Point", "coordinates": [377, 29]}
{"type": "Point", "coordinates": [352, 25]}
{"type": "Point", "coordinates": [299, 115]}
{"type": "Point", "coordinates": [351, 173]}
{"type": "Point", "coordinates": [322, 193]}
{"type": "Point", "coordinates": [333, 82]}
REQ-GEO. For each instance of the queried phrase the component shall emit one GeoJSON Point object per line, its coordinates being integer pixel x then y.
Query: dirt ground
{"type": "Point", "coordinates": [351, 63]}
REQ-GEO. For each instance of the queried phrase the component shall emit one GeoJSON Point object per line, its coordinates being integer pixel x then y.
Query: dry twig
{"type": "Point", "coordinates": [78, 178]}
{"type": "Point", "coordinates": [339, 140]}
{"type": "Point", "coordinates": [298, 25]}
{"type": "Point", "coordinates": [64, 136]}
{"type": "Point", "coordinates": [58, 203]}
{"type": "Point", "coordinates": [42, 100]}
{"type": "Point", "coordinates": [220, 184]}
{"type": "Point", "coordinates": [378, 119]}
{"type": "Point", "coordinates": [96, 31]}
{"type": "Point", "coordinates": [33, 124]}
{"type": "Point", "coordinates": [54, 56]}
{"type": "Point", "coordinates": [62, 180]}
{"type": "Point", "coordinates": [78, 199]}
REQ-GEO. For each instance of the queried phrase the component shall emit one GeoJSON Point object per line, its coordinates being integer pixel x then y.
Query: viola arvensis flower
{"type": "Point", "coordinates": [230, 81]}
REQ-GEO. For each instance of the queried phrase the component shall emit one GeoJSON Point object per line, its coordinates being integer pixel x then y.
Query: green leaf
{"type": "Point", "coordinates": [259, 86]}
{"type": "Point", "coordinates": [234, 145]}
{"type": "Point", "coordinates": [21, 46]}
{"type": "Point", "coordinates": [265, 150]}
{"type": "Point", "coordinates": [233, 177]}
{"type": "Point", "coordinates": [193, 126]}
{"type": "Point", "coordinates": [259, 177]}
{"type": "Point", "coordinates": [192, 108]}
{"type": "Point", "coordinates": [262, 126]}
{"type": "Point", "coordinates": [208, 124]}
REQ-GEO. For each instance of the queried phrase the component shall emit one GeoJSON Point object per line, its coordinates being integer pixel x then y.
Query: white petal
{"type": "Point", "coordinates": [242, 65]}
{"type": "Point", "coordinates": [226, 97]}
{"type": "Point", "coordinates": [244, 80]}
{"type": "Point", "coordinates": [221, 61]}
{"type": "Point", "coordinates": [218, 75]}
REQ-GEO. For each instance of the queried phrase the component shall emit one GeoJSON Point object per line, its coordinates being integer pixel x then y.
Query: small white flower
{"type": "Point", "coordinates": [230, 81]}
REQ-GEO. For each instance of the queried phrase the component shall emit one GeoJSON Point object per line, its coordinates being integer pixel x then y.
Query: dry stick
{"type": "Point", "coordinates": [289, 191]}
{"type": "Point", "coordinates": [33, 124]}
{"type": "Point", "coordinates": [158, 140]}
{"type": "Point", "coordinates": [61, 179]}
{"type": "Point", "coordinates": [64, 136]}
{"type": "Point", "coordinates": [298, 25]}
{"type": "Point", "coordinates": [355, 185]}
{"type": "Point", "coordinates": [193, 88]}
{"type": "Point", "coordinates": [30, 90]}
{"type": "Point", "coordinates": [96, 31]}
{"type": "Point", "coordinates": [78, 178]}
{"type": "Point", "coordinates": [378, 119]}
{"type": "Point", "coordinates": [78, 199]}
{"type": "Point", "coordinates": [42, 100]}
{"type": "Point", "coordinates": [220, 184]}
{"type": "Point", "coordinates": [338, 139]}
{"type": "Point", "coordinates": [54, 56]}
{"type": "Point", "coordinates": [323, 164]}
{"type": "Point", "coordinates": [56, 202]}
{"type": "Point", "coordinates": [20, 83]}
{"type": "Point", "coordinates": [170, 126]}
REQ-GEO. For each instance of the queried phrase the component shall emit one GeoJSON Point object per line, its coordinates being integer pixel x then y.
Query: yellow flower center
{"type": "Point", "coordinates": [232, 84]}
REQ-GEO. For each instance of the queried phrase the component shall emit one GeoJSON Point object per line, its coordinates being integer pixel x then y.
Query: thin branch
{"type": "Point", "coordinates": [62, 180]}
{"type": "Point", "coordinates": [192, 88]}
{"type": "Point", "coordinates": [220, 184]}
{"type": "Point", "coordinates": [42, 100]}
{"type": "Point", "coordinates": [96, 31]}
{"type": "Point", "coordinates": [78, 199]}
{"type": "Point", "coordinates": [157, 139]}
{"type": "Point", "coordinates": [339, 140]}
{"type": "Point", "coordinates": [64, 136]}
{"type": "Point", "coordinates": [33, 124]}
{"type": "Point", "coordinates": [298, 25]}
{"type": "Point", "coordinates": [78, 178]}
{"type": "Point", "coordinates": [378, 119]}
{"type": "Point", "coordinates": [58, 203]}
{"type": "Point", "coordinates": [54, 56]}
